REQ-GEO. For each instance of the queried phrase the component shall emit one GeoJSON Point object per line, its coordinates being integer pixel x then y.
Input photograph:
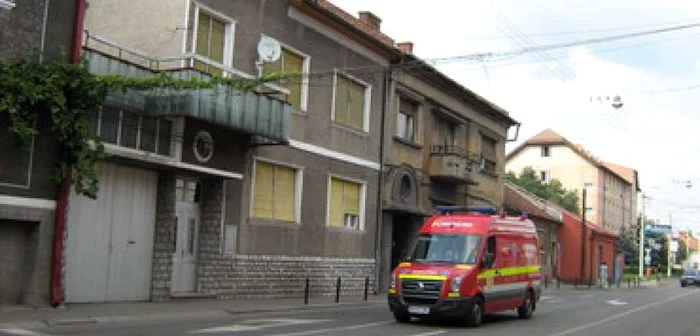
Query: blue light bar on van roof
{"type": "Point", "coordinates": [486, 210]}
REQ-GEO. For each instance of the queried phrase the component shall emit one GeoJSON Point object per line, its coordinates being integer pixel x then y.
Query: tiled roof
{"type": "Point", "coordinates": [547, 137]}
{"type": "Point", "coordinates": [522, 200]}
{"type": "Point", "coordinates": [357, 23]}
{"type": "Point", "coordinates": [626, 173]}
{"type": "Point", "coordinates": [526, 201]}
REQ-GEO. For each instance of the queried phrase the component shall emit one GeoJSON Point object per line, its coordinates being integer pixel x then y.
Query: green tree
{"type": "Point", "coordinates": [553, 190]}
{"type": "Point", "coordinates": [629, 248]}
{"type": "Point", "coordinates": [682, 254]}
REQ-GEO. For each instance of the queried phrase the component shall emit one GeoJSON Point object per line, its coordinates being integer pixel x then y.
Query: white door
{"type": "Point", "coordinates": [109, 244]}
{"type": "Point", "coordinates": [187, 227]}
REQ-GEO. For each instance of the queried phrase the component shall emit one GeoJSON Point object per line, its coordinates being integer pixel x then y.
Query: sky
{"type": "Point", "coordinates": [656, 76]}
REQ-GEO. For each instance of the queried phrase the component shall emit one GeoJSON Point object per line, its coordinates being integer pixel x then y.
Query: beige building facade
{"type": "Point", "coordinates": [612, 189]}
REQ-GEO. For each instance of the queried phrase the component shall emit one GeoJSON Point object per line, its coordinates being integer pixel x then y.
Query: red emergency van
{"type": "Point", "coordinates": [467, 262]}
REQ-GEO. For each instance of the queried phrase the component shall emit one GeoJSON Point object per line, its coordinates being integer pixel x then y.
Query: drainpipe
{"type": "Point", "coordinates": [64, 188]}
{"type": "Point", "coordinates": [380, 179]}
{"type": "Point", "coordinates": [80, 8]}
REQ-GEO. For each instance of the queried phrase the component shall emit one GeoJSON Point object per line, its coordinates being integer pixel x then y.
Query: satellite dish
{"type": "Point", "coordinates": [269, 49]}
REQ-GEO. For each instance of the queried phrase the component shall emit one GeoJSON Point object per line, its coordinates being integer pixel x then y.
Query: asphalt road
{"type": "Point", "coordinates": [669, 310]}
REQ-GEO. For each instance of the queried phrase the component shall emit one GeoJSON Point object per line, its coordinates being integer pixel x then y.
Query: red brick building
{"type": "Point", "coordinates": [561, 240]}
{"type": "Point", "coordinates": [599, 245]}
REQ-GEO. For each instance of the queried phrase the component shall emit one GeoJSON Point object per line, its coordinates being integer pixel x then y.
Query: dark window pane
{"type": "Point", "coordinates": [109, 125]}
{"type": "Point", "coordinates": [148, 134]}
{"type": "Point", "coordinates": [130, 129]}
{"type": "Point", "coordinates": [94, 120]}
{"type": "Point", "coordinates": [164, 137]}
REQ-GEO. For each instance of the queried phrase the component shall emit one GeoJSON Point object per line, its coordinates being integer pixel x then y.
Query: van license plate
{"type": "Point", "coordinates": [419, 310]}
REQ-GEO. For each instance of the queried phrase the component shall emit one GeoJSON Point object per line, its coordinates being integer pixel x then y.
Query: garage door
{"type": "Point", "coordinates": [109, 245]}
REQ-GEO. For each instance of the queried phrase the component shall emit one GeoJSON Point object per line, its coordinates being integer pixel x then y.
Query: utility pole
{"type": "Point", "coordinates": [583, 235]}
{"type": "Point", "coordinates": [641, 239]}
{"type": "Point", "coordinates": [668, 256]}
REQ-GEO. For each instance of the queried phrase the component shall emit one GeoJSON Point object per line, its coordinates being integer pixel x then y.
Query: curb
{"type": "Point", "coordinates": [44, 323]}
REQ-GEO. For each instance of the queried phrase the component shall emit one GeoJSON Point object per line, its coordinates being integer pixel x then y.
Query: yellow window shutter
{"type": "Point", "coordinates": [352, 198]}
{"type": "Point", "coordinates": [202, 47]}
{"type": "Point", "coordinates": [335, 216]}
{"type": "Point", "coordinates": [202, 44]}
{"type": "Point", "coordinates": [216, 46]}
{"type": "Point", "coordinates": [341, 100]}
{"type": "Point", "coordinates": [263, 190]}
{"type": "Point", "coordinates": [294, 63]}
{"type": "Point", "coordinates": [285, 198]}
{"type": "Point", "coordinates": [357, 105]}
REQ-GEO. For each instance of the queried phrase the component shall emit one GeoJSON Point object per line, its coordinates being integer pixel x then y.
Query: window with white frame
{"type": "Point", "coordinates": [546, 176]}
{"type": "Point", "coordinates": [345, 204]}
{"type": "Point", "coordinates": [406, 117]}
{"type": "Point", "coordinates": [545, 151]}
{"type": "Point", "coordinates": [212, 39]}
{"type": "Point", "coordinates": [296, 63]}
{"type": "Point", "coordinates": [351, 105]}
{"type": "Point", "coordinates": [275, 193]}
{"type": "Point", "coordinates": [132, 130]}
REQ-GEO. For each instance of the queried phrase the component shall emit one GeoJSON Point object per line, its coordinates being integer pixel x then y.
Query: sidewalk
{"type": "Point", "coordinates": [650, 283]}
{"type": "Point", "coordinates": [27, 318]}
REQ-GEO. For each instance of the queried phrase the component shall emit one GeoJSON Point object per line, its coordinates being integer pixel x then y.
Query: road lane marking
{"type": "Point", "coordinates": [21, 332]}
{"type": "Point", "coordinates": [438, 332]}
{"type": "Point", "coordinates": [543, 298]}
{"type": "Point", "coordinates": [555, 301]}
{"type": "Point", "coordinates": [327, 330]}
{"type": "Point", "coordinates": [617, 316]}
{"type": "Point", "coordinates": [585, 296]}
{"type": "Point", "coordinates": [258, 324]}
{"type": "Point", "coordinates": [616, 302]}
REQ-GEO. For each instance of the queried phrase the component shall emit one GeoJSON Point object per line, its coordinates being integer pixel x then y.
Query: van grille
{"type": "Point", "coordinates": [424, 292]}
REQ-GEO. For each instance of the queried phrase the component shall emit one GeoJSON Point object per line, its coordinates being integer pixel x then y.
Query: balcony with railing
{"type": "Point", "coordinates": [449, 164]}
{"type": "Point", "coordinates": [249, 112]}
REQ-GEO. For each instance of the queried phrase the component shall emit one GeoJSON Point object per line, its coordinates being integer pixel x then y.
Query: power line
{"type": "Point", "coordinates": [561, 72]}
{"type": "Point", "coordinates": [579, 32]}
{"type": "Point", "coordinates": [555, 46]}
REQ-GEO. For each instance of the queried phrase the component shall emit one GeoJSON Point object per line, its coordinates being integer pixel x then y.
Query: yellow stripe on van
{"type": "Point", "coordinates": [405, 264]}
{"type": "Point", "coordinates": [508, 271]}
{"type": "Point", "coordinates": [422, 277]}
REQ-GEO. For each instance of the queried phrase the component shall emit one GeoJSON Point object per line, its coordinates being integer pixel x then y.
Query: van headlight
{"type": "Point", "coordinates": [456, 283]}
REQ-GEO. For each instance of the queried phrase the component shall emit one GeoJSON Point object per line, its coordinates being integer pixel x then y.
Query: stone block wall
{"type": "Point", "coordinates": [268, 276]}
{"type": "Point", "coordinates": [164, 243]}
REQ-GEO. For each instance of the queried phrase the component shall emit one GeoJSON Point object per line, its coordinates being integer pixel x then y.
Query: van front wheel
{"type": "Point", "coordinates": [402, 317]}
{"type": "Point", "coordinates": [476, 315]}
{"type": "Point", "coordinates": [525, 311]}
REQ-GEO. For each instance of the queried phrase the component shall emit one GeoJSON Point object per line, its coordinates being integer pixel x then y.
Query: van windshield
{"type": "Point", "coordinates": [455, 248]}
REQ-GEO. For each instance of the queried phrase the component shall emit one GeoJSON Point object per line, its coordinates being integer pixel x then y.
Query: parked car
{"type": "Point", "coordinates": [690, 277]}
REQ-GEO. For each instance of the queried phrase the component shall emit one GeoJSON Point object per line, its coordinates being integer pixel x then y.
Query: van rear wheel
{"type": "Point", "coordinates": [525, 311]}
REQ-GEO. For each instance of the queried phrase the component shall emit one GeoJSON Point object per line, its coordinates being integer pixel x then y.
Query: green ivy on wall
{"type": "Point", "coordinates": [68, 94]}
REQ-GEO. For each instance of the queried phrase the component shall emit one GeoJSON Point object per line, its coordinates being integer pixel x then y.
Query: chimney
{"type": "Point", "coordinates": [405, 47]}
{"type": "Point", "coordinates": [371, 20]}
